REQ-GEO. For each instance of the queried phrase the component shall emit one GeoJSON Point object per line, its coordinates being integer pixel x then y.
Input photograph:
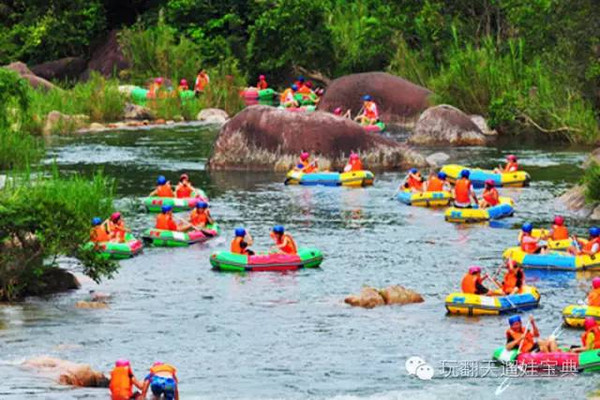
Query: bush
{"type": "Point", "coordinates": [591, 180]}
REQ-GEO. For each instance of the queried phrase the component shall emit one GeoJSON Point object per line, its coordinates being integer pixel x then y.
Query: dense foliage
{"type": "Point", "coordinates": [591, 180]}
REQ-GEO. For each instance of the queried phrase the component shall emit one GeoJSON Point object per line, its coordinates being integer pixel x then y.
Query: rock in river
{"type": "Point", "coordinates": [67, 372]}
{"type": "Point", "coordinates": [267, 138]}
{"type": "Point", "coordinates": [370, 297]}
{"type": "Point", "coordinates": [447, 125]}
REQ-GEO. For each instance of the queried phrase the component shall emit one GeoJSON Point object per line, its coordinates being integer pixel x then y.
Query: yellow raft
{"type": "Point", "coordinates": [553, 260]}
{"type": "Point", "coordinates": [479, 176]}
{"type": "Point", "coordinates": [352, 178]}
{"type": "Point", "coordinates": [574, 315]}
{"type": "Point", "coordinates": [425, 199]}
{"type": "Point", "coordinates": [473, 215]}
{"type": "Point", "coordinates": [552, 244]}
{"type": "Point", "coordinates": [475, 304]}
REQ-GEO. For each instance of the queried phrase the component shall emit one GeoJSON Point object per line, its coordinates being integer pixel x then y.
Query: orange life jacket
{"type": "Point", "coordinates": [164, 369]}
{"type": "Point", "coordinates": [510, 281]}
{"type": "Point", "coordinates": [590, 244]}
{"type": "Point", "coordinates": [199, 217]}
{"type": "Point", "coordinates": [559, 232]}
{"type": "Point", "coordinates": [528, 243]}
{"type": "Point", "coordinates": [435, 184]}
{"type": "Point", "coordinates": [99, 234]}
{"type": "Point", "coordinates": [290, 247]}
{"type": "Point", "coordinates": [355, 165]}
{"type": "Point", "coordinates": [165, 222]}
{"type": "Point", "coordinates": [164, 191]}
{"type": "Point", "coordinates": [236, 246]}
{"type": "Point", "coordinates": [201, 82]}
{"type": "Point", "coordinates": [183, 191]}
{"type": "Point", "coordinates": [371, 110]}
{"type": "Point", "coordinates": [183, 88]}
{"type": "Point", "coordinates": [469, 284]}
{"type": "Point", "coordinates": [286, 96]}
{"type": "Point", "coordinates": [118, 230]}
{"type": "Point", "coordinates": [261, 85]}
{"type": "Point", "coordinates": [462, 191]}
{"type": "Point", "coordinates": [415, 183]}
{"type": "Point", "coordinates": [304, 90]}
{"type": "Point", "coordinates": [596, 331]}
{"type": "Point", "coordinates": [511, 167]}
{"type": "Point", "coordinates": [594, 298]}
{"type": "Point", "coordinates": [528, 342]}
{"type": "Point", "coordinates": [121, 385]}
{"type": "Point", "coordinates": [491, 196]}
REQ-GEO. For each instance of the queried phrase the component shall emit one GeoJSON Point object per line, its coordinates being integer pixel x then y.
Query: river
{"type": "Point", "coordinates": [290, 336]}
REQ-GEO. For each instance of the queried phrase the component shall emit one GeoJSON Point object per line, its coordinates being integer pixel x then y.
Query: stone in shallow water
{"type": "Point", "coordinates": [370, 297]}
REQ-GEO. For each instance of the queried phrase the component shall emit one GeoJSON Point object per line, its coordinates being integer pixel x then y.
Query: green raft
{"type": "Point", "coordinates": [164, 238]}
{"type": "Point", "coordinates": [305, 258]}
{"type": "Point", "coordinates": [115, 250]}
{"type": "Point", "coordinates": [309, 100]}
{"type": "Point", "coordinates": [154, 204]}
{"type": "Point", "coordinates": [139, 95]}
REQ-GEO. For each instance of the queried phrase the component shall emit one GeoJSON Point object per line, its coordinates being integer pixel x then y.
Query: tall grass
{"type": "Point", "coordinates": [591, 180]}
{"type": "Point", "coordinates": [18, 149]}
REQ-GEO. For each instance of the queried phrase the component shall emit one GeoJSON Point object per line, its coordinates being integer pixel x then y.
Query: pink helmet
{"type": "Point", "coordinates": [489, 182]}
{"type": "Point", "coordinates": [261, 77]}
{"type": "Point", "coordinates": [183, 82]}
{"type": "Point", "coordinates": [511, 157]}
{"type": "Point", "coordinates": [589, 323]}
{"type": "Point", "coordinates": [115, 216]}
{"type": "Point", "coordinates": [121, 362]}
{"type": "Point", "coordinates": [338, 111]}
{"type": "Point", "coordinates": [308, 84]}
{"type": "Point", "coordinates": [184, 176]}
{"type": "Point", "coordinates": [596, 282]}
{"type": "Point", "coordinates": [304, 156]}
{"type": "Point", "coordinates": [474, 269]}
{"type": "Point", "coordinates": [158, 80]}
{"type": "Point", "coordinates": [353, 156]}
{"type": "Point", "coordinates": [558, 220]}
{"type": "Point", "coordinates": [157, 363]}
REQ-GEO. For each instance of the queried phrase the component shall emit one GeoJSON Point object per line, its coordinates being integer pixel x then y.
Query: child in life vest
{"type": "Point", "coordinates": [511, 165]}
{"type": "Point", "coordinates": [163, 188]}
{"type": "Point", "coordinates": [517, 337]}
{"type": "Point", "coordinates": [490, 196]}
{"type": "Point", "coordinates": [241, 242]}
{"type": "Point", "coordinates": [162, 382]}
{"type": "Point", "coordinates": [99, 233]}
{"type": "Point", "coordinates": [591, 247]}
{"type": "Point", "coordinates": [514, 279]}
{"type": "Point", "coordinates": [284, 242]}
{"type": "Point", "coordinates": [414, 180]}
{"type": "Point", "coordinates": [590, 339]}
{"type": "Point", "coordinates": [463, 191]}
{"type": "Point", "coordinates": [530, 244]}
{"type": "Point", "coordinates": [262, 83]}
{"type": "Point", "coordinates": [472, 282]}
{"type": "Point", "coordinates": [354, 163]}
{"type": "Point", "coordinates": [184, 188]}
{"type": "Point", "coordinates": [122, 382]}
{"type": "Point", "coordinates": [117, 228]}
{"type": "Point", "coordinates": [200, 216]}
{"type": "Point", "coordinates": [437, 183]}
{"type": "Point", "coordinates": [558, 231]}
{"type": "Point", "coordinates": [593, 298]}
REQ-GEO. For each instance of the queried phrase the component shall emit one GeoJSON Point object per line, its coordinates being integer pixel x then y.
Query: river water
{"type": "Point", "coordinates": [290, 336]}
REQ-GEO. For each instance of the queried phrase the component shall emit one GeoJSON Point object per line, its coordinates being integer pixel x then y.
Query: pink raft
{"type": "Point", "coordinates": [549, 360]}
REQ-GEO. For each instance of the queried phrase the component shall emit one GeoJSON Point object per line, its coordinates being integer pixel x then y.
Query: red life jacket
{"type": "Point", "coordinates": [590, 244]}
{"type": "Point", "coordinates": [165, 222]}
{"type": "Point", "coordinates": [184, 191]}
{"type": "Point", "coordinates": [559, 232]}
{"type": "Point", "coordinates": [469, 284]}
{"type": "Point", "coordinates": [164, 191]}
{"type": "Point", "coordinates": [462, 191]}
{"type": "Point", "coordinates": [528, 342]}
{"type": "Point", "coordinates": [435, 185]}
{"type": "Point", "coordinates": [596, 331]}
{"type": "Point", "coordinates": [528, 243]}
{"type": "Point", "coordinates": [491, 197]}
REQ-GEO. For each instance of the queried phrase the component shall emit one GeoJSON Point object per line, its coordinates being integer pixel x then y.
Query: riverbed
{"type": "Point", "coordinates": [290, 336]}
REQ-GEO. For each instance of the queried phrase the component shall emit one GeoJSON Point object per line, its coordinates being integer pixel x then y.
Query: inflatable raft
{"type": "Point", "coordinates": [479, 176]}
{"type": "Point", "coordinates": [306, 99]}
{"type": "Point", "coordinates": [140, 95]}
{"type": "Point", "coordinates": [552, 244]}
{"type": "Point", "coordinates": [164, 238]}
{"type": "Point", "coordinates": [301, 109]}
{"type": "Point", "coordinates": [117, 251]}
{"type": "Point", "coordinates": [375, 128]}
{"type": "Point", "coordinates": [425, 199]}
{"type": "Point", "coordinates": [553, 260]}
{"type": "Point", "coordinates": [574, 315]}
{"type": "Point", "coordinates": [473, 215]}
{"type": "Point", "coordinates": [352, 178]}
{"type": "Point", "coordinates": [227, 261]}
{"type": "Point", "coordinates": [474, 304]}
{"type": "Point", "coordinates": [253, 93]}
{"type": "Point", "coordinates": [561, 359]}
{"type": "Point", "coordinates": [154, 204]}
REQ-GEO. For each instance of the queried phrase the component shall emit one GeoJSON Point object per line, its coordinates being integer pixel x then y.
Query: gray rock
{"type": "Point", "coordinates": [594, 157]}
{"type": "Point", "coordinates": [213, 116]}
{"type": "Point", "coordinates": [35, 81]}
{"type": "Point", "coordinates": [447, 125]}
{"type": "Point", "coordinates": [138, 113]}
{"type": "Point", "coordinates": [57, 123]}
{"type": "Point", "coordinates": [482, 125]}
{"type": "Point", "coordinates": [437, 159]}
{"type": "Point", "coordinates": [595, 214]}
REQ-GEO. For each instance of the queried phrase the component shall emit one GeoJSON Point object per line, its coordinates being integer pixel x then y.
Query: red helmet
{"type": "Point", "coordinates": [184, 176]}
{"type": "Point", "coordinates": [596, 282]}
{"type": "Point", "coordinates": [183, 82]}
{"type": "Point", "coordinates": [589, 323]}
{"type": "Point", "coordinates": [489, 182]}
{"type": "Point", "coordinates": [353, 156]}
{"type": "Point", "coordinates": [558, 220]}
{"type": "Point", "coordinates": [158, 80]}
{"type": "Point", "coordinates": [308, 84]}
{"type": "Point", "coordinates": [122, 363]}
{"type": "Point", "coordinates": [304, 156]}
{"type": "Point", "coordinates": [261, 77]}
{"type": "Point", "coordinates": [511, 157]}
{"type": "Point", "coordinates": [474, 269]}
{"type": "Point", "coordinates": [338, 111]}
{"type": "Point", "coordinates": [115, 216]}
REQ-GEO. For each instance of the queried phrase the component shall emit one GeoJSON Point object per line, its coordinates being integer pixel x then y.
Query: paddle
{"type": "Point", "coordinates": [504, 384]}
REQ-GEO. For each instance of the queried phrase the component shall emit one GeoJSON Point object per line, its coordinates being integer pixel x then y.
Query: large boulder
{"type": "Point", "coordinates": [370, 297]}
{"type": "Point", "coordinates": [137, 113]}
{"type": "Point", "coordinates": [57, 123]}
{"type": "Point", "coordinates": [107, 58]}
{"type": "Point", "coordinates": [67, 372]}
{"type": "Point", "coordinates": [35, 81]}
{"type": "Point", "coordinates": [213, 116]}
{"type": "Point", "coordinates": [267, 138]}
{"type": "Point", "coordinates": [447, 125]}
{"type": "Point", "coordinates": [398, 100]}
{"type": "Point", "coordinates": [64, 68]}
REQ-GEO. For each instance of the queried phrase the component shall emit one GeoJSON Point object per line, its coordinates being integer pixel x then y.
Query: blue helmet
{"type": "Point", "coordinates": [442, 175]}
{"type": "Point", "coordinates": [413, 170]}
{"type": "Point", "coordinates": [201, 204]}
{"type": "Point", "coordinates": [161, 180]}
{"type": "Point", "coordinates": [240, 232]}
{"type": "Point", "coordinates": [166, 209]}
{"type": "Point", "coordinates": [367, 97]}
{"type": "Point", "coordinates": [594, 231]}
{"type": "Point", "coordinates": [527, 227]}
{"type": "Point", "coordinates": [465, 173]}
{"type": "Point", "coordinates": [513, 319]}
{"type": "Point", "coordinates": [96, 221]}
{"type": "Point", "coordinates": [300, 166]}
{"type": "Point", "coordinates": [300, 78]}
{"type": "Point", "coordinates": [278, 229]}
{"type": "Point", "coordinates": [294, 87]}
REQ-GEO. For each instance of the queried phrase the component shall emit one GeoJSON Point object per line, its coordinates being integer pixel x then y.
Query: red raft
{"type": "Point", "coordinates": [227, 261]}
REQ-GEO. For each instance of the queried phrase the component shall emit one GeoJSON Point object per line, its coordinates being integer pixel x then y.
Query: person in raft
{"type": "Point", "coordinates": [155, 88]}
{"type": "Point", "coordinates": [517, 337]}
{"type": "Point", "coordinates": [183, 85]}
{"type": "Point", "coordinates": [593, 298]}
{"type": "Point", "coordinates": [472, 282]}
{"type": "Point", "coordinates": [437, 183]}
{"type": "Point", "coordinates": [514, 279]}
{"type": "Point", "coordinates": [338, 112]}
{"type": "Point", "coordinates": [241, 242]}
{"type": "Point", "coordinates": [413, 181]}
{"type": "Point", "coordinates": [166, 222]}
{"type": "Point", "coordinates": [463, 191]}
{"type": "Point", "coordinates": [163, 188]}
{"type": "Point", "coordinates": [262, 83]}
{"type": "Point", "coordinates": [184, 188]}
{"type": "Point", "coordinates": [370, 115]}
{"type": "Point", "coordinates": [528, 243]}
{"type": "Point", "coordinates": [202, 80]}
{"type": "Point", "coordinates": [490, 196]}
{"type": "Point", "coordinates": [122, 382]}
{"type": "Point", "coordinates": [116, 227]}
{"type": "Point", "coordinates": [590, 339]}
{"type": "Point", "coordinates": [558, 231]}
{"type": "Point", "coordinates": [354, 163]}
{"type": "Point", "coordinates": [305, 165]}
{"type": "Point", "coordinates": [162, 382]}
{"type": "Point", "coordinates": [511, 165]}
{"type": "Point", "coordinates": [99, 233]}
{"type": "Point", "coordinates": [200, 216]}
{"type": "Point", "coordinates": [284, 243]}
{"type": "Point", "coordinates": [591, 247]}
{"type": "Point", "coordinates": [287, 98]}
